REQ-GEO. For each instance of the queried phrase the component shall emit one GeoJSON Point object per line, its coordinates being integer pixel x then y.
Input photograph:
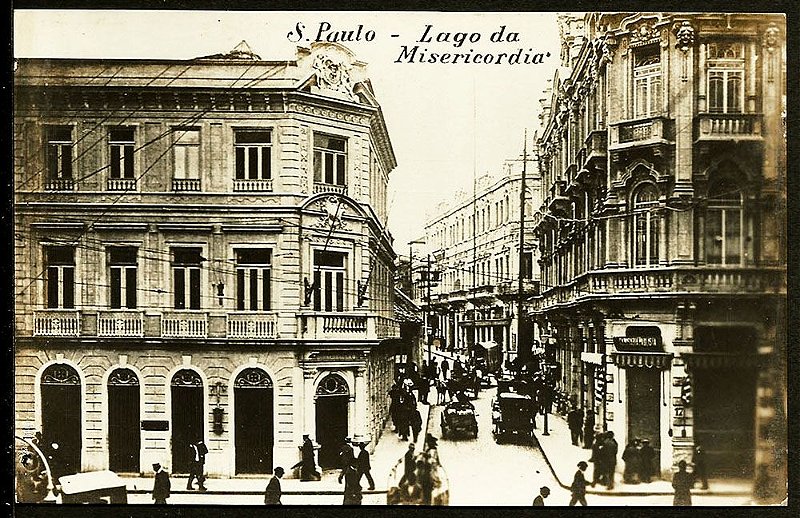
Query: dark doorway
{"type": "Point", "coordinates": [644, 408]}
{"type": "Point", "coordinates": [252, 395]}
{"type": "Point", "coordinates": [332, 402]}
{"type": "Point", "coordinates": [61, 417]}
{"type": "Point", "coordinates": [123, 421]}
{"type": "Point", "coordinates": [187, 417]}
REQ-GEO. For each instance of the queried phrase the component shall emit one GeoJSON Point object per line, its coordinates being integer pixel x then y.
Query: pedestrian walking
{"type": "Point", "coordinates": [433, 370]}
{"type": "Point", "coordinates": [363, 464]}
{"type": "Point", "coordinates": [575, 422]}
{"type": "Point", "coordinates": [445, 368]}
{"type": "Point", "coordinates": [272, 494]}
{"type": "Point", "coordinates": [424, 387]}
{"type": "Point", "coordinates": [632, 460]}
{"type": "Point", "coordinates": [346, 456]}
{"type": "Point", "coordinates": [395, 395]}
{"type": "Point", "coordinates": [307, 465]}
{"type": "Point", "coordinates": [610, 450]}
{"type": "Point", "coordinates": [578, 486]}
{"type": "Point", "coordinates": [409, 464]}
{"type": "Point", "coordinates": [416, 423]}
{"type": "Point", "coordinates": [588, 429]}
{"type": "Point", "coordinates": [599, 470]}
{"type": "Point", "coordinates": [646, 457]}
{"type": "Point", "coordinates": [352, 485]}
{"type": "Point", "coordinates": [699, 462]}
{"type": "Point", "coordinates": [544, 492]}
{"type": "Point", "coordinates": [197, 465]}
{"type": "Point", "coordinates": [682, 482]}
{"type": "Point", "coordinates": [161, 485]}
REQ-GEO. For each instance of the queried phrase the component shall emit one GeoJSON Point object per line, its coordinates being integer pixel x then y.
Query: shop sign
{"type": "Point", "coordinates": [638, 343]}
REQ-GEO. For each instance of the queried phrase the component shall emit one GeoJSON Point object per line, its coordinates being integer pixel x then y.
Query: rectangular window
{"type": "Point", "coordinates": [253, 154]}
{"type": "Point", "coordinates": [59, 153]}
{"type": "Point", "coordinates": [647, 84]}
{"type": "Point", "coordinates": [253, 288]}
{"type": "Point", "coordinates": [187, 153]}
{"type": "Point", "coordinates": [121, 145]}
{"type": "Point", "coordinates": [122, 272]}
{"type": "Point", "coordinates": [724, 236]}
{"type": "Point", "coordinates": [330, 158]}
{"type": "Point", "coordinates": [60, 267]}
{"type": "Point", "coordinates": [725, 75]}
{"type": "Point", "coordinates": [329, 280]}
{"type": "Point", "coordinates": [527, 265]}
{"type": "Point", "coordinates": [186, 264]}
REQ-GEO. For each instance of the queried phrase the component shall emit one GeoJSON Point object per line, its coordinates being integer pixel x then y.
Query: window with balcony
{"type": "Point", "coordinates": [724, 214]}
{"type": "Point", "coordinates": [725, 76]}
{"type": "Point", "coordinates": [253, 288]}
{"type": "Point", "coordinates": [120, 152]}
{"type": "Point", "coordinates": [122, 275]}
{"type": "Point", "coordinates": [60, 280]}
{"type": "Point", "coordinates": [645, 226]}
{"type": "Point", "coordinates": [186, 169]}
{"type": "Point", "coordinates": [647, 83]}
{"type": "Point", "coordinates": [186, 265]}
{"type": "Point", "coordinates": [253, 149]}
{"type": "Point", "coordinates": [329, 280]}
{"type": "Point", "coordinates": [330, 160]}
{"type": "Point", "coordinates": [59, 158]}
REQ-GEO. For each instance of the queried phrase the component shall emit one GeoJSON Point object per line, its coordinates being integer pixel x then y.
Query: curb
{"type": "Point", "coordinates": [700, 492]}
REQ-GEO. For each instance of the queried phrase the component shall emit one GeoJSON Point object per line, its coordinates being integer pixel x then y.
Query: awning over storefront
{"type": "Point", "coordinates": [722, 360]}
{"type": "Point", "coordinates": [648, 360]}
{"type": "Point", "coordinates": [488, 345]}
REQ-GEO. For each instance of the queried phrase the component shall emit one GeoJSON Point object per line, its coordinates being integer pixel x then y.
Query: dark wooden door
{"type": "Point", "coordinates": [253, 422]}
{"type": "Point", "coordinates": [187, 417]}
{"type": "Point", "coordinates": [331, 414]}
{"type": "Point", "coordinates": [644, 408]}
{"type": "Point", "coordinates": [124, 437]}
{"type": "Point", "coordinates": [61, 417]}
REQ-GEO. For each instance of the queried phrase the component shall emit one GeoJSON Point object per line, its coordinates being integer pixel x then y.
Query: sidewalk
{"type": "Point", "coordinates": [563, 457]}
{"type": "Point", "coordinates": [388, 451]}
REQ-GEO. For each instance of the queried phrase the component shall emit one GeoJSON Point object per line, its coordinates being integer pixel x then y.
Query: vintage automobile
{"type": "Point", "coordinates": [458, 418]}
{"type": "Point", "coordinates": [512, 415]}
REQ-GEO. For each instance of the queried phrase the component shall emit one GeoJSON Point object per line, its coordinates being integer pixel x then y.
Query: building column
{"type": "Point", "coordinates": [308, 417]}
{"type": "Point", "coordinates": [362, 398]}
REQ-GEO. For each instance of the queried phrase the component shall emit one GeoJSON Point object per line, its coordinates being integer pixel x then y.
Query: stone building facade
{"type": "Point", "coordinates": [663, 234]}
{"type": "Point", "coordinates": [474, 246]}
{"type": "Point", "coordinates": [201, 253]}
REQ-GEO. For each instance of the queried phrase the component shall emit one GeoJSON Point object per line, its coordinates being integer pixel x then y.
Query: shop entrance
{"type": "Point", "coordinates": [123, 421]}
{"type": "Point", "coordinates": [332, 401]}
{"type": "Point", "coordinates": [644, 409]}
{"type": "Point", "coordinates": [187, 417]}
{"type": "Point", "coordinates": [61, 417]}
{"type": "Point", "coordinates": [252, 395]}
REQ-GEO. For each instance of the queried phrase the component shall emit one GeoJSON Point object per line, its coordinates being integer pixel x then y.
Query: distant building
{"type": "Point", "coordinates": [473, 244]}
{"type": "Point", "coordinates": [201, 253]}
{"type": "Point", "coordinates": [662, 233]}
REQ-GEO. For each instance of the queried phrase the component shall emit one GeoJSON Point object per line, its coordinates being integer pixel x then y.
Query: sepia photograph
{"type": "Point", "coordinates": [399, 258]}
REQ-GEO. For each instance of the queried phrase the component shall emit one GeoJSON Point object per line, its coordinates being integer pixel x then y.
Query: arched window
{"type": "Point", "coordinates": [724, 223]}
{"type": "Point", "coordinates": [645, 226]}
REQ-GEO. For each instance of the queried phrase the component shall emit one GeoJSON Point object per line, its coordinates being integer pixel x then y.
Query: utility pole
{"type": "Point", "coordinates": [428, 308]}
{"type": "Point", "coordinates": [523, 355]}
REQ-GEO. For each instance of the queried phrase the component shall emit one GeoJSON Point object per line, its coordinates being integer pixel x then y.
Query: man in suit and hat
{"type": "Point", "coordinates": [578, 486]}
{"type": "Point", "coordinates": [161, 486]}
{"type": "Point", "coordinates": [363, 464]}
{"type": "Point", "coordinates": [307, 465]}
{"type": "Point", "coordinates": [198, 451]}
{"type": "Point", "coordinates": [544, 492]}
{"type": "Point", "coordinates": [272, 495]}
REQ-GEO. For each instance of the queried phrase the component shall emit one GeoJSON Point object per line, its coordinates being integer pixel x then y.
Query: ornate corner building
{"type": "Point", "coordinates": [663, 234]}
{"type": "Point", "coordinates": [201, 253]}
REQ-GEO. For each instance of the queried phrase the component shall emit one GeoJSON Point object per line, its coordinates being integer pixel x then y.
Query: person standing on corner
{"type": "Point", "coordinates": [610, 449]}
{"type": "Point", "coordinates": [646, 456]}
{"type": "Point", "coordinates": [161, 486]}
{"type": "Point", "coordinates": [197, 465]}
{"type": "Point", "coordinates": [575, 422]}
{"type": "Point", "coordinates": [272, 494]}
{"type": "Point", "coordinates": [597, 459]}
{"type": "Point", "coordinates": [363, 464]}
{"type": "Point", "coordinates": [699, 461]}
{"type": "Point", "coordinates": [588, 429]}
{"type": "Point", "coordinates": [544, 492]}
{"type": "Point", "coordinates": [682, 482]}
{"type": "Point", "coordinates": [578, 486]}
{"type": "Point", "coordinates": [416, 423]}
{"type": "Point", "coordinates": [352, 485]}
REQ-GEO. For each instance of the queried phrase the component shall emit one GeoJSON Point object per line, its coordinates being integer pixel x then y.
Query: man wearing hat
{"type": "Point", "coordinates": [544, 492]}
{"type": "Point", "coordinates": [272, 495]}
{"type": "Point", "coordinates": [161, 486]}
{"type": "Point", "coordinates": [363, 464]}
{"type": "Point", "coordinates": [308, 468]}
{"type": "Point", "coordinates": [578, 486]}
{"type": "Point", "coordinates": [646, 456]}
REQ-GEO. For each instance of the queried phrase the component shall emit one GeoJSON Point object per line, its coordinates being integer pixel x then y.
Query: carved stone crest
{"type": "Point", "coordinates": [333, 73]}
{"type": "Point", "coordinates": [685, 34]}
{"type": "Point", "coordinates": [771, 37]}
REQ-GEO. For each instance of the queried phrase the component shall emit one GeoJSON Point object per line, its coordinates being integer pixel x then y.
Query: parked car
{"type": "Point", "coordinates": [458, 418]}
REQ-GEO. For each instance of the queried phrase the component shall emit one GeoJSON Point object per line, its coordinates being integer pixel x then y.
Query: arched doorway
{"type": "Point", "coordinates": [61, 417]}
{"type": "Point", "coordinates": [187, 417]}
{"type": "Point", "coordinates": [252, 396]}
{"type": "Point", "coordinates": [123, 421]}
{"type": "Point", "coordinates": [332, 398]}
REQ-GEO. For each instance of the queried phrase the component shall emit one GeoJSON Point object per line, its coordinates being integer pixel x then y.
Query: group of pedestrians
{"type": "Point", "coordinates": [403, 410]}
{"type": "Point", "coordinates": [604, 458]}
{"type": "Point", "coordinates": [638, 457]}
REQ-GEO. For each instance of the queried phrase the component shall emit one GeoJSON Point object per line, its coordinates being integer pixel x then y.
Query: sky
{"type": "Point", "coordinates": [447, 122]}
